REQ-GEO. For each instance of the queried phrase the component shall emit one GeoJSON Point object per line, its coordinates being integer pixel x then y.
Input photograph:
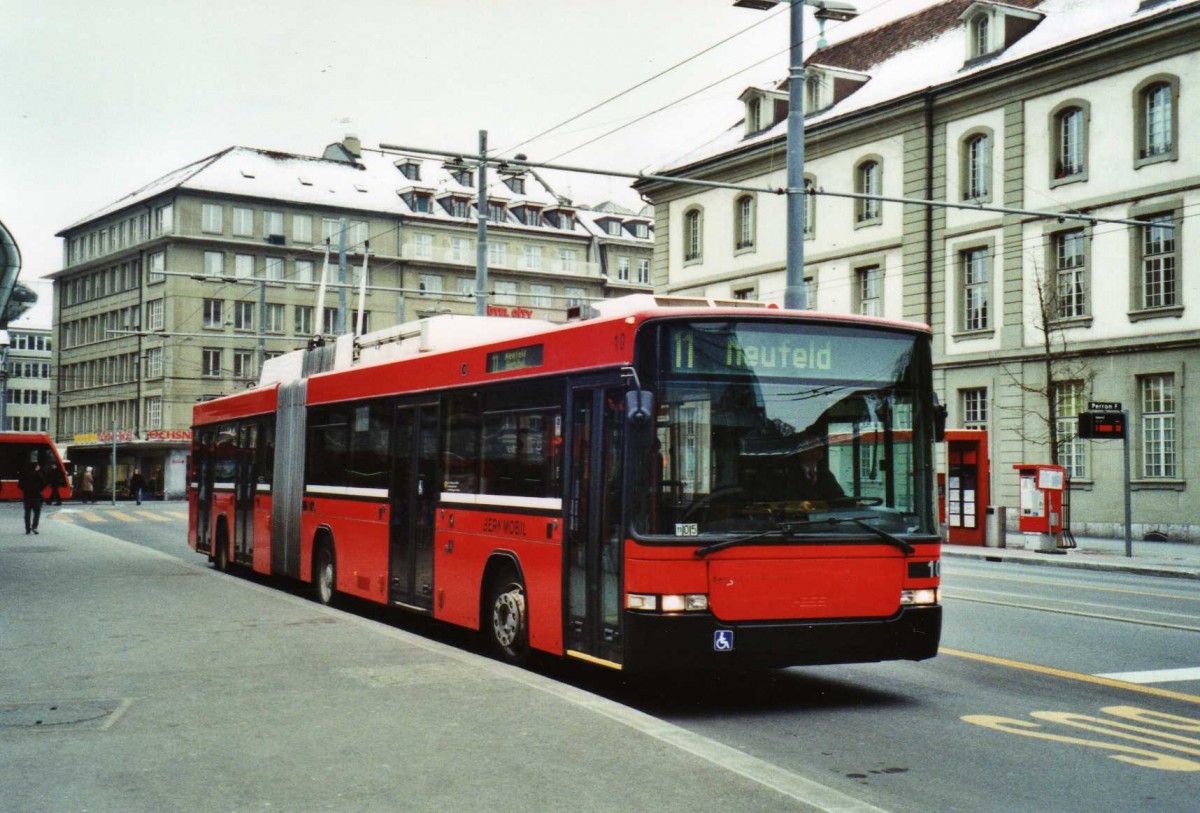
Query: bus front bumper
{"type": "Point", "coordinates": [701, 641]}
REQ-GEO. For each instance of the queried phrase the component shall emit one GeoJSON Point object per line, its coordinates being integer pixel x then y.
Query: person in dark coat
{"type": "Point", "coordinates": [137, 484]}
{"type": "Point", "coordinates": [32, 483]}
{"type": "Point", "coordinates": [57, 480]}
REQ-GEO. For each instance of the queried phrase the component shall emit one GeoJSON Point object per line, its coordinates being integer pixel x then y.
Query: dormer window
{"type": "Point", "coordinates": [754, 115]}
{"type": "Point", "coordinates": [825, 86]}
{"type": "Point", "coordinates": [418, 200]}
{"type": "Point", "coordinates": [516, 183]}
{"type": "Point", "coordinates": [410, 169]}
{"type": "Point", "coordinates": [764, 109]}
{"type": "Point", "coordinates": [613, 228]}
{"type": "Point", "coordinates": [497, 212]}
{"type": "Point", "coordinates": [641, 231]}
{"type": "Point", "coordinates": [456, 206]}
{"type": "Point", "coordinates": [992, 27]}
{"type": "Point", "coordinates": [464, 177]}
{"type": "Point", "coordinates": [562, 218]}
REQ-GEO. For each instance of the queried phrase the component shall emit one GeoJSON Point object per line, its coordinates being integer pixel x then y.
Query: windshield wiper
{"type": "Point", "coordinates": [786, 529]}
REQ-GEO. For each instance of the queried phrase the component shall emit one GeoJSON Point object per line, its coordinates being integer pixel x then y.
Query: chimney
{"type": "Point", "coordinates": [352, 145]}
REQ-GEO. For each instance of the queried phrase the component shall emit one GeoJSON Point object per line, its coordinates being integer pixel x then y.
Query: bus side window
{"type": "Point", "coordinates": [462, 444]}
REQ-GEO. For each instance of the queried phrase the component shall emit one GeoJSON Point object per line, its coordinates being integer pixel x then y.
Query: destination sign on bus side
{"type": "Point", "coordinates": [518, 358]}
{"type": "Point", "coordinates": [787, 353]}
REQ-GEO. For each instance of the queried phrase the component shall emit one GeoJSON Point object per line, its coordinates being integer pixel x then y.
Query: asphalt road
{"type": "Point", "coordinates": [1056, 690]}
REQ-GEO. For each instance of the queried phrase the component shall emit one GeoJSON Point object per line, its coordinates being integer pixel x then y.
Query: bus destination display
{"type": "Point", "coordinates": [518, 358]}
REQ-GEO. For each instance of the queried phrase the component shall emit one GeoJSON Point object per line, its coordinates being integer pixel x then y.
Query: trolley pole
{"type": "Point", "coordinates": [1128, 490]}
{"type": "Point", "coordinates": [481, 213]}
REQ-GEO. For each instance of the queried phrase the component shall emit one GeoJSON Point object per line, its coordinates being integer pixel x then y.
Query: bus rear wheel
{"type": "Point", "coordinates": [506, 625]}
{"type": "Point", "coordinates": [324, 575]}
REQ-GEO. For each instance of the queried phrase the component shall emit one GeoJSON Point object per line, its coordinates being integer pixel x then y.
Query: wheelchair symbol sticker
{"type": "Point", "coordinates": [723, 641]}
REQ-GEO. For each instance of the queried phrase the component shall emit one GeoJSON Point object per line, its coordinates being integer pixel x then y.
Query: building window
{"type": "Point", "coordinates": [302, 228]}
{"type": "Point", "coordinates": [164, 221]}
{"type": "Point", "coordinates": [643, 275]}
{"type": "Point", "coordinates": [214, 264]}
{"type": "Point", "coordinates": [1157, 120]}
{"type": "Point", "coordinates": [154, 314]}
{"type": "Point", "coordinates": [331, 230]}
{"type": "Point", "coordinates": [273, 224]}
{"type": "Point", "coordinates": [977, 168]}
{"type": "Point", "coordinates": [243, 316]}
{"type": "Point", "coordinates": [506, 293]}
{"type": "Point", "coordinates": [1070, 269]}
{"type": "Point", "coordinates": [410, 169]}
{"type": "Point", "coordinates": [974, 408]}
{"type": "Point", "coordinates": [273, 318]}
{"type": "Point", "coordinates": [460, 249]}
{"type": "Point", "coordinates": [869, 287]}
{"type": "Point", "coordinates": [623, 269]}
{"type": "Point", "coordinates": [1159, 262]}
{"type": "Point", "coordinates": [516, 183]}
{"type": "Point", "coordinates": [158, 267]}
{"type": "Point", "coordinates": [430, 284]}
{"type": "Point", "coordinates": [423, 246]}
{"type": "Point", "coordinates": [154, 362]}
{"type": "Point", "coordinates": [868, 181]}
{"type": "Point", "coordinates": [457, 207]}
{"type": "Point", "coordinates": [464, 177]}
{"type": "Point", "coordinates": [753, 115]}
{"type": "Point", "coordinates": [1072, 451]}
{"type": "Point", "coordinates": [210, 364]}
{"type": "Point", "coordinates": [329, 325]}
{"type": "Point", "coordinates": [641, 231]}
{"type": "Point", "coordinates": [744, 222]}
{"type": "Point", "coordinates": [979, 31]}
{"type": "Point", "coordinates": [575, 296]}
{"type": "Point", "coordinates": [421, 203]}
{"type": "Point", "coordinates": [243, 266]}
{"type": "Point", "coordinates": [1070, 156]}
{"type": "Point", "coordinates": [613, 228]}
{"type": "Point", "coordinates": [568, 259]}
{"type": "Point", "coordinates": [566, 220]}
{"type": "Point", "coordinates": [154, 412]}
{"type": "Point", "coordinates": [273, 267]}
{"type": "Point", "coordinates": [533, 258]}
{"type": "Point", "coordinates": [357, 234]}
{"type": "Point", "coordinates": [1158, 426]}
{"type": "Point", "coordinates": [745, 294]}
{"type": "Point", "coordinates": [496, 212]}
{"type": "Point", "coordinates": [497, 254]}
{"type": "Point", "coordinates": [212, 217]}
{"type": "Point", "coordinates": [213, 313]}
{"type": "Point", "coordinates": [975, 288]}
{"type": "Point", "coordinates": [541, 296]}
{"type": "Point", "coordinates": [304, 272]}
{"type": "Point", "coordinates": [693, 235]}
{"type": "Point", "coordinates": [243, 222]}
{"type": "Point", "coordinates": [465, 286]}
{"type": "Point", "coordinates": [302, 320]}
{"type": "Point", "coordinates": [243, 364]}
{"type": "Point", "coordinates": [812, 92]}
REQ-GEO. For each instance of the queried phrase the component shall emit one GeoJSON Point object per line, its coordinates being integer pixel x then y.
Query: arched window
{"type": "Point", "coordinates": [868, 180]}
{"type": "Point", "coordinates": [693, 235]}
{"type": "Point", "coordinates": [1157, 126]}
{"type": "Point", "coordinates": [980, 34]}
{"type": "Point", "coordinates": [1069, 138]}
{"type": "Point", "coordinates": [977, 167]}
{"type": "Point", "coordinates": [745, 222]}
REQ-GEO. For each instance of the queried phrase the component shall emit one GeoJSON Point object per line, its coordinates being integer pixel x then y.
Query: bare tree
{"type": "Point", "coordinates": [1060, 369]}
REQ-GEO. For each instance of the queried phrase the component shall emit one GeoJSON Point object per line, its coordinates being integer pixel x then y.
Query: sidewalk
{"type": "Point", "coordinates": [1172, 559]}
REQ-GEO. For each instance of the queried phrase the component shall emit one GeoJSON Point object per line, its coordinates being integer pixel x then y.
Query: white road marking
{"type": "Point", "coordinates": [1156, 675]}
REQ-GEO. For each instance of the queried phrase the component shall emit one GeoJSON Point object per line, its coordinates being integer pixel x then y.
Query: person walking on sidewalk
{"type": "Point", "coordinates": [32, 483]}
{"type": "Point", "coordinates": [87, 486]}
{"type": "Point", "coordinates": [137, 484]}
{"type": "Point", "coordinates": [58, 481]}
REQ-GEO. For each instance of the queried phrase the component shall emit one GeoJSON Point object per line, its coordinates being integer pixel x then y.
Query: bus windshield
{"type": "Point", "coordinates": [777, 425]}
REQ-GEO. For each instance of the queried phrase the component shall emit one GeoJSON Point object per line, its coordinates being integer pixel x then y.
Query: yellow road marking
{"type": "Point", "coordinates": [92, 516]}
{"type": "Point", "coordinates": [121, 515]}
{"type": "Point", "coordinates": [178, 514]}
{"type": "Point", "coordinates": [153, 516]}
{"type": "Point", "coordinates": [1063, 673]}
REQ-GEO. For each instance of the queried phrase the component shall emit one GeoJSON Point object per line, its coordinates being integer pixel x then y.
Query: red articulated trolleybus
{"type": "Point", "coordinates": [664, 484]}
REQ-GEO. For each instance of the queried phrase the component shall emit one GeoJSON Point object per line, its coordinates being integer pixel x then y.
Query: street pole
{"type": "Point", "coordinates": [1128, 489]}
{"type": "Point", "coordinates": [339, 324]}
{"type": "Point", "coordinates": [112, 479]}
{"type": "Point", "coordinates": [794, 295]}
{"type": "Point", "coordinates": [481, 296]}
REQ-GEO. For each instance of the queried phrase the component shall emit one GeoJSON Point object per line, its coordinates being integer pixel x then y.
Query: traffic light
{"type": "Point", "coordinates": [1101, 425]}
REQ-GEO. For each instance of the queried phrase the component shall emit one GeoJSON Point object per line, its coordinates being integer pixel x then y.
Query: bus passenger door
{"type": "Point", "coordinates": [203, 454]}
{"type": "Point", "coordinates": [594, 535]}
{"type": "Point", "coordinates": [414, 493]}
{"type": "Point", "coordinates": [245, 484]}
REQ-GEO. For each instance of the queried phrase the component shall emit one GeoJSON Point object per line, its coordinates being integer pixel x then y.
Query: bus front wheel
{"type": "Point", "coordinates": [507, 623]}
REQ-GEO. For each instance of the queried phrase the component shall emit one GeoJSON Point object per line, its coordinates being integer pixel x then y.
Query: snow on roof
{"type": "Point", "coordinates": [373, 183]}
{"type": "Point", "coordinates": [927, 48]}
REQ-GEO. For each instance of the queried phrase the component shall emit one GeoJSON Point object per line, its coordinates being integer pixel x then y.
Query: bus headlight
{"type": "Point", "coordinates": [921, 597]}
{"type": "Point", "coordinates": [670, 603]}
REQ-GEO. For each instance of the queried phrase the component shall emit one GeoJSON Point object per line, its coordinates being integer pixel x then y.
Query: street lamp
{"type": "Point", "coordinates": [794, 295]}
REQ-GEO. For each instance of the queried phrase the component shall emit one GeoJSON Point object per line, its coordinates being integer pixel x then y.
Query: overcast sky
{"type": "Point", "coordinates": [99, 97]}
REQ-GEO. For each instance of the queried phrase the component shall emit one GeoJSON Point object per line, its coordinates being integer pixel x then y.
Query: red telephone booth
{"type": "Point", "coordinates": [1041, 498]}
{"type": "Point", "coordinates": [963, 500]}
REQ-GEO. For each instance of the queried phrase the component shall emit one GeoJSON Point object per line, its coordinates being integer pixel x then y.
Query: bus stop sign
{"type": "Point", "coordinates": [1098, 425]}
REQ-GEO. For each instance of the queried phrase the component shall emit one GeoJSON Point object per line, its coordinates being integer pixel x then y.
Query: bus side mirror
{"type": "Point", "coordinates": [639, 408]}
